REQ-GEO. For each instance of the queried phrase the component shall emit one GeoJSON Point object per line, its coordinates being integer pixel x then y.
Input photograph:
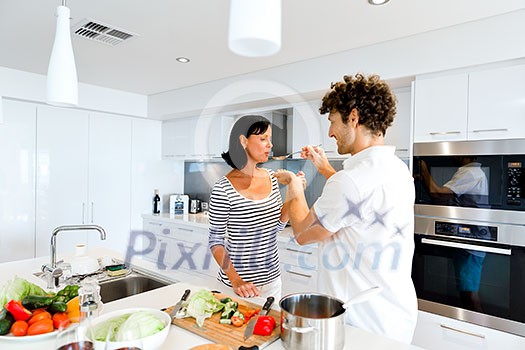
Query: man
{"type": "Point", "coordinates": [364, 219]}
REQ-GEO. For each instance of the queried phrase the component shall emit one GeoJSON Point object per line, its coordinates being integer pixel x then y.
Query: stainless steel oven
{"type": "Point", "coordinates": [469, 260]}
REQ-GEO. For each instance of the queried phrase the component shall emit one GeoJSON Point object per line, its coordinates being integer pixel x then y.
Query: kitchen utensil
{"type": "Point", "coordinates": [251, 325]}
{"type": "Point", "coordinates": [311, 321]}
{"type": "Point", "coordinates": [289, 154]}
{"type": "Point", "coordinates": [177, 306]}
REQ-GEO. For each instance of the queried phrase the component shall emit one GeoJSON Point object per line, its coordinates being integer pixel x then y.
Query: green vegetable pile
{"type": "Point", "coordinates": [128, 327]}
{"type": "Point", "coordinates": [200, 306]}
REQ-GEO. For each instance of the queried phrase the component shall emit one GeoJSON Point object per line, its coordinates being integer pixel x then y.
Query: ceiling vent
{"type": "Point", "coordinates": [101, 32]}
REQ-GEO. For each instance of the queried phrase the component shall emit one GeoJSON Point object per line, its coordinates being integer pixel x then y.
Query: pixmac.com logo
{"type": "Point", "coordinates": [173, 254]}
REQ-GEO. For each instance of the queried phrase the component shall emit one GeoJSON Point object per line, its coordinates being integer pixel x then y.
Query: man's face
{"type": "Point", "coordinates": [341, 132]}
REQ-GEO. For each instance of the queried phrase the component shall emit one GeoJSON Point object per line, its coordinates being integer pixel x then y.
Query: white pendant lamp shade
{"type": "Point", "coordinates": [255, 27]}
{"type": "Point", "coordinates": [62, 83]}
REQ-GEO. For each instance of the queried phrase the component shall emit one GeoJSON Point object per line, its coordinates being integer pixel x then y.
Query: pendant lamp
{"type": "Point", "coordinates": [255, 27]}
{"type": "Point", "coordinates": [62, 83]}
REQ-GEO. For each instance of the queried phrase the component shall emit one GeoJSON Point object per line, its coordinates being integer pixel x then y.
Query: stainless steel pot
{"type": "Point", "coordinates": [312, 321]}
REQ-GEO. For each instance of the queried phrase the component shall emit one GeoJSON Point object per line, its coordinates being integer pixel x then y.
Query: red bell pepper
{"type": "Point", "coordinates": [264, 325]}
{"type": "Point", "coordinates": [19, 312]}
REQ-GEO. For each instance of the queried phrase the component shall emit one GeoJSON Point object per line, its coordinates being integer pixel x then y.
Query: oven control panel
{"type": "Point", "coordinates": [516, 182]}
{"type": "Point", "coordinates": [489, 233]}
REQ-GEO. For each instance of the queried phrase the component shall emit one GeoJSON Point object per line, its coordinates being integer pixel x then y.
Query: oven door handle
{"type": "Point", "coordinates": [481, 248]}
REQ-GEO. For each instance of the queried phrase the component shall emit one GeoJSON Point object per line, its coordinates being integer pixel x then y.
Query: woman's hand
{"type": "Point", "coordinates": [245, 289]}
{"type": "Point", "coordinates": [302, 177]}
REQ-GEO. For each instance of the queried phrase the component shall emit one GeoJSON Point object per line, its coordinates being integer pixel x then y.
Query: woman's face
{"type": "Point", "coordinates": [258, 147]}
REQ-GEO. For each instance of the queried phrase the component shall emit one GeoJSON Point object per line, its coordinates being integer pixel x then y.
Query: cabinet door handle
{"type": "Point", "coordinates": [402, 149]}
{"type": "Point", "coordinates": [185, 229]}
{"type": "Point", "coordinates": [83, 213]}
{"type": "Point", "coordinates": [490, 130]}
{"type": "Point", "coordinates": [299, 274]}
{"type": "Point", "coordinates": [92, 210]}
{"type": "Point", "coordinates": [298, 251]}
{"type": "Point", "coordinates": [445, 133]}
{"type": "Point", "coordinates": [482, 336]}
{"type": "Point", "coordinates": [154, 223]}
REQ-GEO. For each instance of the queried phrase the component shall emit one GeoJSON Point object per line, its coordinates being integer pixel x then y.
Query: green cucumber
{"type": "Point", "coordinates": [57, 306]}
{"type": "Point", "coordinates": [32, 302]}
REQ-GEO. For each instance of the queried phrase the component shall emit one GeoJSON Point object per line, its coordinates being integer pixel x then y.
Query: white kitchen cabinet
{"type": "Point", "coordinates": [83, 177]}
{"type": "Point", "coordinates": [441, 108]}
{"type": "Point", "coordinates": [398, 134]}
{"type": "Point", "coordinates": [306, 126]}
{"type": "Point", "coordinates": [181, 247]}
{"type": "Point", "coordinates": [496, 103]}
{"type": "Point", "coordinates": [62, 177]}
{"type": "Point", "coordinates": [17, 181]}
{"type": "Point", "coordinates": [298, 267]}
{"type": "Point", "coordinates": [435, 332]}
{"type": "Point", "coordinates": [196, 138]}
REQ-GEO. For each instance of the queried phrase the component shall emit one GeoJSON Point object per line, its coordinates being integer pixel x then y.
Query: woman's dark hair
{"type": "Point", "coordinates": [246, 125]}
{"type": "Point", "coordinates": [371, 96]}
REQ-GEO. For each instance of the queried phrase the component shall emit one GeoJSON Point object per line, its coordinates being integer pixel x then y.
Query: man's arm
{"type": "Point", "coordinates": [305, 224]}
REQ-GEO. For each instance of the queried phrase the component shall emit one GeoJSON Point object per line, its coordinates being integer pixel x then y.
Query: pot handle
{"type": "Point", "coordinates": [301, 330]}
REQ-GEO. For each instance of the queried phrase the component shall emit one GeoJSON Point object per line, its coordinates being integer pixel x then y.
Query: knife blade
{"type": "Point", "coordinates": [251, 325]}
{"type": "Point", "coordinates": [177, 306]}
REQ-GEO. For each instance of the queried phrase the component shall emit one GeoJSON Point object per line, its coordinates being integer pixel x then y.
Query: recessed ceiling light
{"type": "Point", "coordinates": [182, 59]}
{"type": "Point", "coordinates": [378, 2]}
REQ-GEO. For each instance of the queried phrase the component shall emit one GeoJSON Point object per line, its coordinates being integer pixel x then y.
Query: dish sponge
{"type": "Point", "coordinates": [116, 270]}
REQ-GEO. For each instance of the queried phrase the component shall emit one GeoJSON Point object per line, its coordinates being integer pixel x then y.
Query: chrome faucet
{"type": "Point", "coordinates": [54, 271]}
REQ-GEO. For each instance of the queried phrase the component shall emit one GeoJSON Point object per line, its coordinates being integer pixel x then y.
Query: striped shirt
{"type": "Point", "coordinates": [247, 228]}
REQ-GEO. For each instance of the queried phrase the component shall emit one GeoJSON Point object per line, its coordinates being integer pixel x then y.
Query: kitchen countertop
{"type": "Point", "coordinates": [178, 338]}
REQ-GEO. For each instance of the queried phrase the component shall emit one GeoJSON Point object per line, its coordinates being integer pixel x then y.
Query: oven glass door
{"type": "Point", "coordinates": [482, 277]}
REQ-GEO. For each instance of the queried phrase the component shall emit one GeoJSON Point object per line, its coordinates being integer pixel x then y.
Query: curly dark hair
{"type": "Point", "coordinates": [371, 96]}
{"type": "Point", "coordinates": [246, 125]}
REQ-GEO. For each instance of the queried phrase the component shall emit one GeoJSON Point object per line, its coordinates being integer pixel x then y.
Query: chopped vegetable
{"type": "Point", "coordinates": [18, 311]}
{"type": "Point", "coordinates": [17, 289]}
{"type": "Point", "coordinates": [200, 306]}
{"type": "Point", "coordinates": [264, 325]}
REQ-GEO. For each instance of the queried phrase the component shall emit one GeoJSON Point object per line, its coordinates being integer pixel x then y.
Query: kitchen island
{"type": "Point", "coordinates": [178, 338]}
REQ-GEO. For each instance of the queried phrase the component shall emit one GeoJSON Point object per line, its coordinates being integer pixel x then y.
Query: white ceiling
{"type": "Point", "coordinates": [198, 29]}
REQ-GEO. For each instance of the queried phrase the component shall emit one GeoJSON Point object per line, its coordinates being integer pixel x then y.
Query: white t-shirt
{"type": "Point", "coordinates": [370, 207]}
{"type": "Point", "coordinates": [471, 186]}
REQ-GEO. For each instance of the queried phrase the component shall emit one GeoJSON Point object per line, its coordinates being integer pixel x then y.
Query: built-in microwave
{"type": "Point", "coordinates": [469, 259]}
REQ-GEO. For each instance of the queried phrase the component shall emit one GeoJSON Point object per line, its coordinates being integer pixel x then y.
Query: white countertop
{"type": "Point", "coordinates": [178, 338]}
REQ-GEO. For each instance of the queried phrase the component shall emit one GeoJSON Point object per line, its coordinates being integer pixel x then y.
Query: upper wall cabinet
{"type": "Point", "coordinates": [497, 103]}
{"type": "Point", "coordinates": [480, 105]}
{"type": "Point", "coordinates": [196, 138]}
{"type": "Point", "coordinates": [398, 134]}
{"type": "Point", "coordinates": [441, 108]}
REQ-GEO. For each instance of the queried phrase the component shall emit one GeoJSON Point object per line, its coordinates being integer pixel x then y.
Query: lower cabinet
{"type": "Point", "coordinates": [435, 332]}
{"type": "Point", "coordinates": [179, 247]}
{"type": "Point", "coordinates": [298, 267]}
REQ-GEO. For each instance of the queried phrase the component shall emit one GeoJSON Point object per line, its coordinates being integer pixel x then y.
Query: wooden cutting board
{"type": "Point", "coordinates": [229, 334]}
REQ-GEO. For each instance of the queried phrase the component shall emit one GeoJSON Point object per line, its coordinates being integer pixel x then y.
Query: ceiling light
{"type": "Point", "coordinates": [378, 2]}
{"type": "Point", "coordinates": [255, 27]}
{"type": "Point", "coordinates": [62, 83]}
{"type": "Point", "coordinates": [182, 59]}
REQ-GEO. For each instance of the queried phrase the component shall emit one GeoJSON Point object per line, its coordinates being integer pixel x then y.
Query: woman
{"type": "Point", "coordinates": [246, 213]}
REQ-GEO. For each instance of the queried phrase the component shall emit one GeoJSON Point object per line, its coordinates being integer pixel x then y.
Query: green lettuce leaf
{"type": "Point", "coordinates": [17, 289]}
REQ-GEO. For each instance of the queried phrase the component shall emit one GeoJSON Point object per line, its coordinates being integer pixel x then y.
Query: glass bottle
{"type": "Point", "coordinates": [156, 203]}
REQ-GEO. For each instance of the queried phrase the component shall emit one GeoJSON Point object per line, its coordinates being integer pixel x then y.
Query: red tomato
{"type": "Point", "coordinates": [19, 328]}
{"type": "Point", "coordinates": [41, 327]}
{"type": "Point", "coordinates": [237, 321]}
{"type": "Point", "coordinates": [39, 317]}
{"type": "Point", "coordinates": [60, 320]}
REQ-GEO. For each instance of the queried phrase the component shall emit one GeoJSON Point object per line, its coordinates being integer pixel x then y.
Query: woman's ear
{"type": "Point", "coordinates": [243, 140]}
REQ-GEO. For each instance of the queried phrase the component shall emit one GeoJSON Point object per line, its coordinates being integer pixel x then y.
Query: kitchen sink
{"type": "Point", "coordinates": [132, 284]}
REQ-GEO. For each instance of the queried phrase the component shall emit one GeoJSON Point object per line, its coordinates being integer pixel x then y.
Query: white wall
{"type": "Point", "coordinates": [485, 41]}
{"type": "Point", "coordinates": [19, 85]}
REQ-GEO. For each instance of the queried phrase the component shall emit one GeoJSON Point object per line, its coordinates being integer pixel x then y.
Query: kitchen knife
{"type": "Point", "coordinates": [251, 325]}
{"type": "Point", "coordinates": [176, 307]}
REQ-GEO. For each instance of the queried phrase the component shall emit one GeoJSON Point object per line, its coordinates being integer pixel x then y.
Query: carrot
{"type": "Point", "coordinates": [39, 317]}
{"type": "Point", "coordinates": [41, 327]}
{"type": "Point", "coordinates": [19, 328]}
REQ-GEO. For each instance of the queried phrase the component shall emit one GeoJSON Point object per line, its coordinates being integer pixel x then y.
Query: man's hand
{"type": "Point", "coordinates": [285, 177]}
{"type": "Point", "coordinates": [318, 157]}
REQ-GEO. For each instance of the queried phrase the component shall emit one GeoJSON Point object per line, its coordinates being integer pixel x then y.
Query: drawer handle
{"type": "Point", "coordinates": [298, 251]}
{"type": "Point", "coordinates": [490, 130]}
{"type": "Point", "coordinates": [299, 274]}
{"type": "Point", "coordinates": [155, 223]}
{"type": "Point", "coordinates": [445, 133]}
{"type": "Point", "coordinates": [185, 229]}
{"type": "Point", "coordinates": [482, 336]}
{"type": "Point", "coordinates": [402, 149]}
